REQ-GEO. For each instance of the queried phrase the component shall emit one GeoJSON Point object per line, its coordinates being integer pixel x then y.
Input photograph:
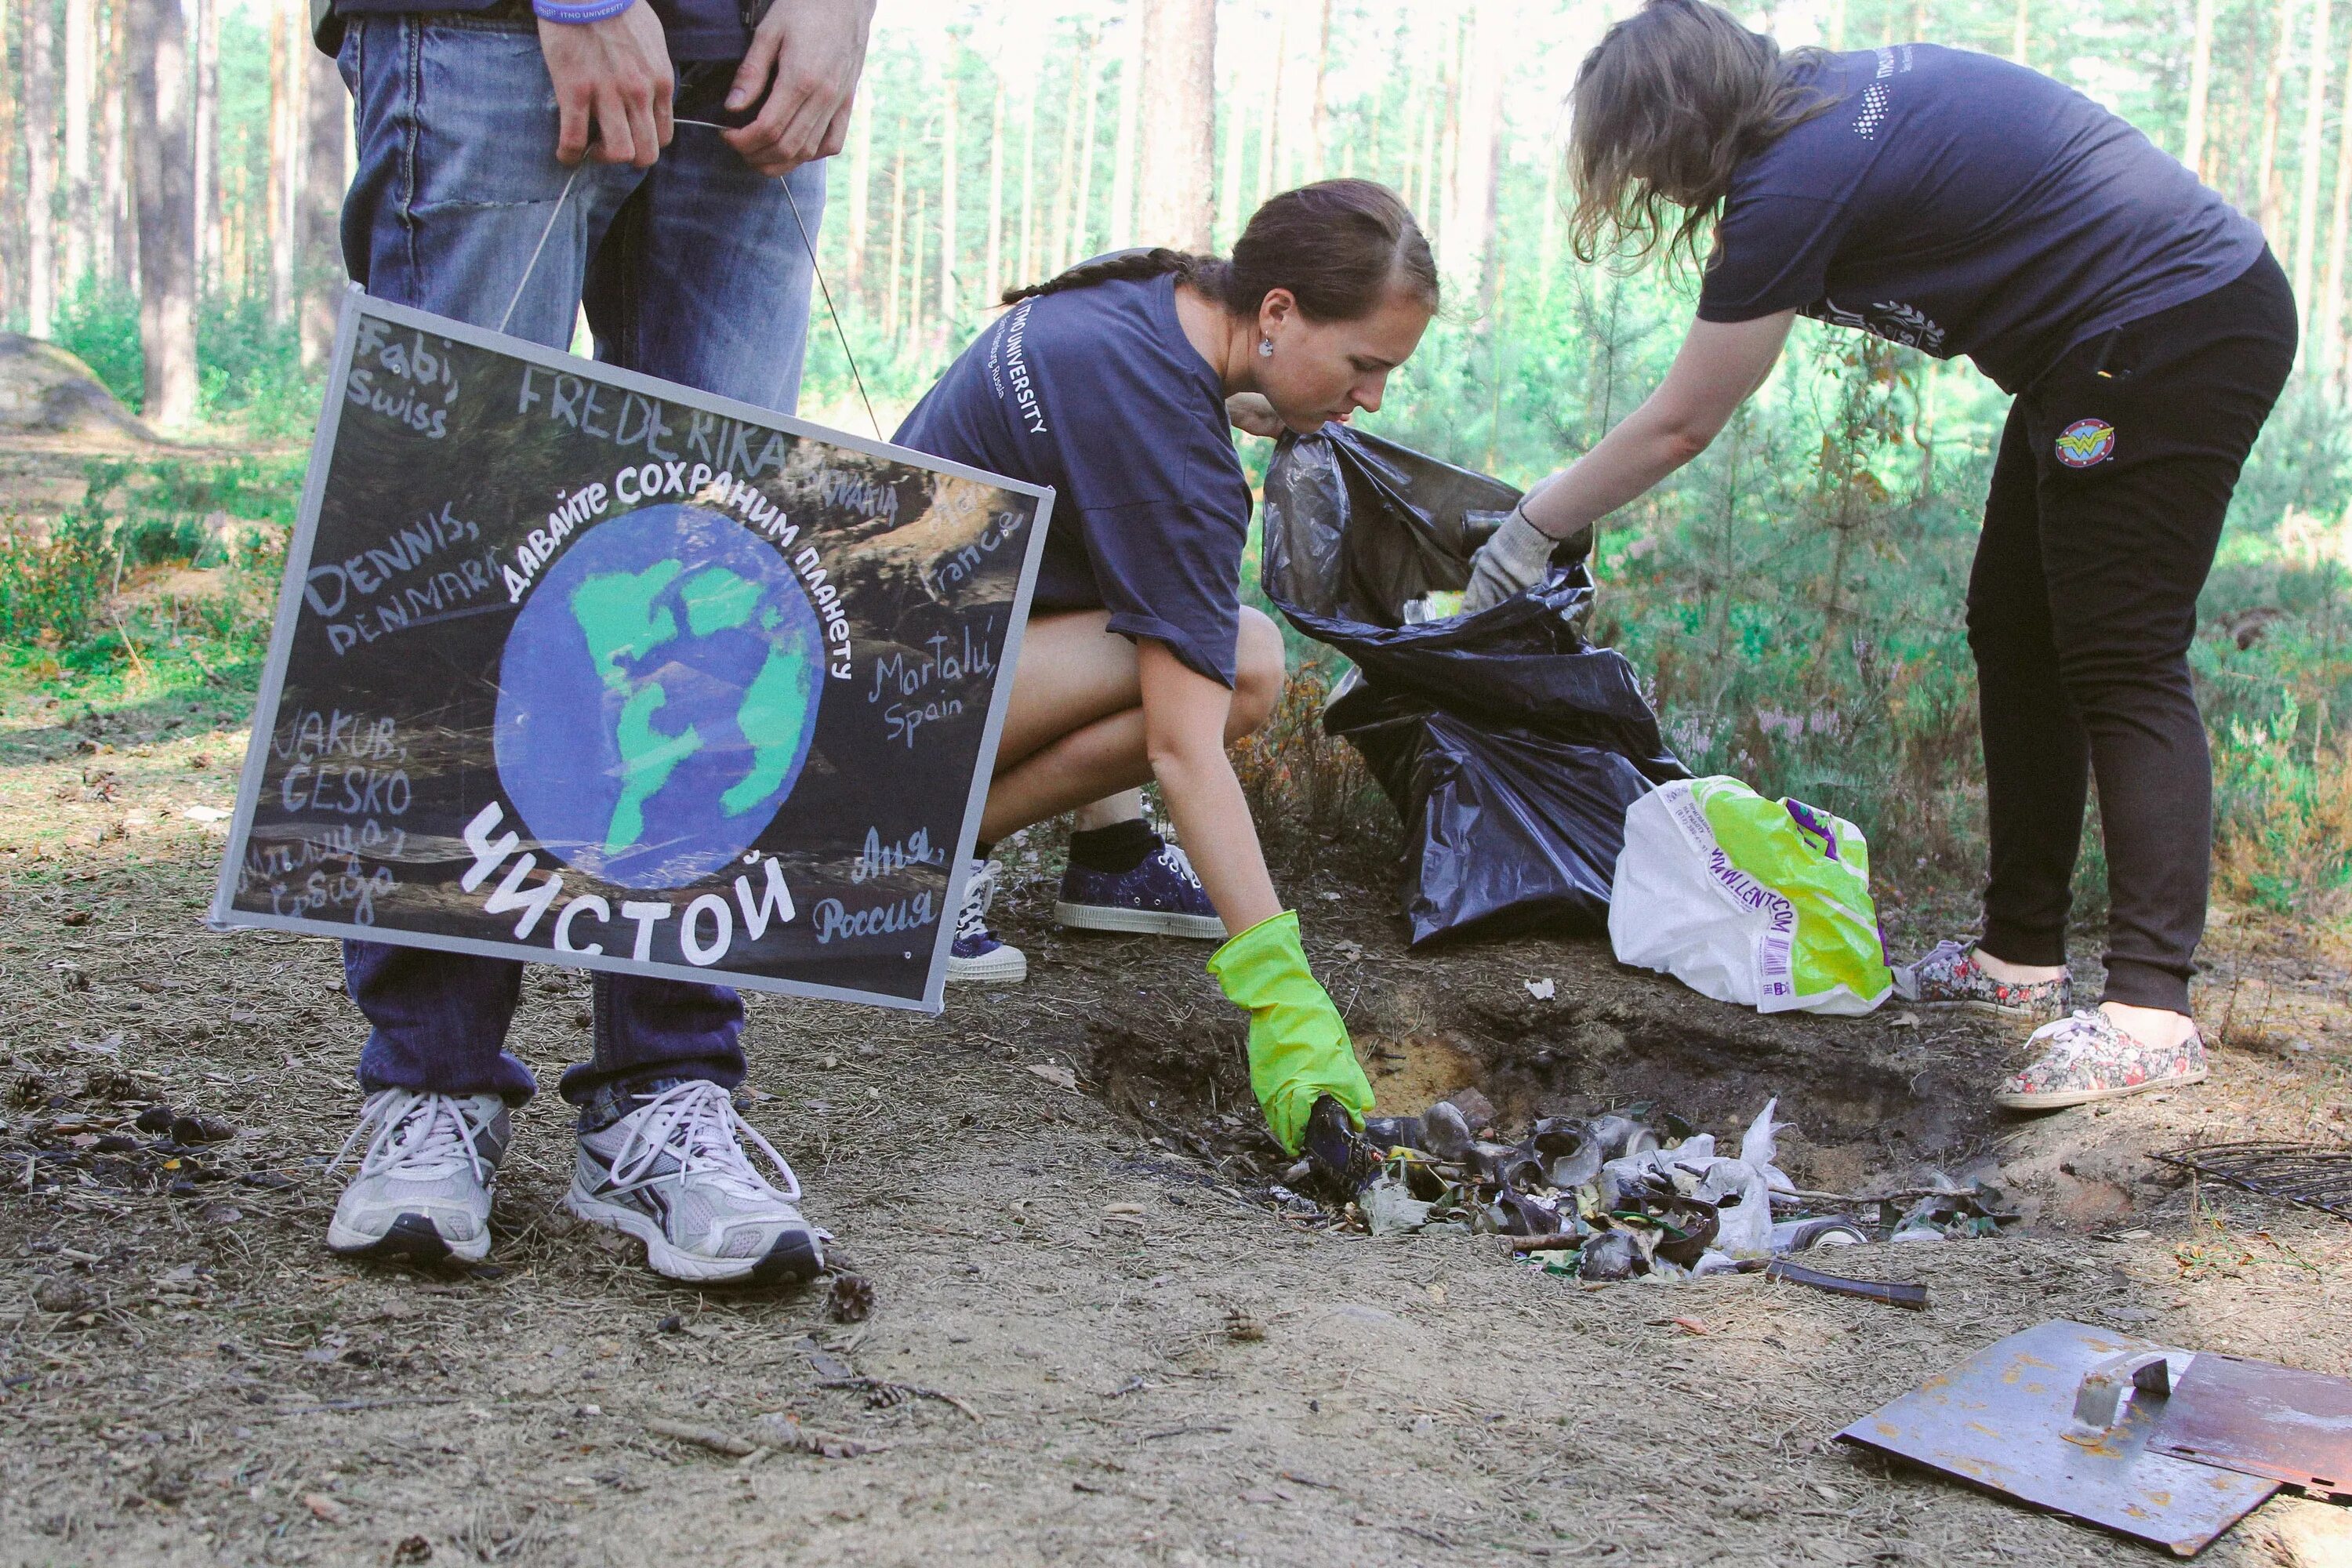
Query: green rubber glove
{"type": "Point", "coordinates": [1298, 1048]}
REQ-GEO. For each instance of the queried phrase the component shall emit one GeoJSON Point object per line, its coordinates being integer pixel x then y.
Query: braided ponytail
{"type": "Point", "coordinates": [1126, 267]}
{"type": "Point", "coordinates": [1338, 246]}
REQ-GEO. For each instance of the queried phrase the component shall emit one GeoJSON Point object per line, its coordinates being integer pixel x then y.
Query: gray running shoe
{"type": "Point", "coordinates": [675, 1174]}
{"type": "Point", "coordinates": [423, 1191]}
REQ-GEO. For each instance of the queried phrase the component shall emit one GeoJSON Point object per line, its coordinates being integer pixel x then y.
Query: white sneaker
{"type": "Point", "coordinates": [978, 955]}
{"type": "Point", "coordinates": [674, 1173]}
{"type": "Point", "coordinates": [423, 1191]}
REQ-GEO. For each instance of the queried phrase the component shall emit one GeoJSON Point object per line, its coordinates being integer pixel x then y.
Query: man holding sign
{"type": "Point", "coordinates": [517, 161]}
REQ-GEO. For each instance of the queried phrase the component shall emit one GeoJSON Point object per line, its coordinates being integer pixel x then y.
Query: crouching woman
{"type": "Point", "coordinates": [1141, 662]}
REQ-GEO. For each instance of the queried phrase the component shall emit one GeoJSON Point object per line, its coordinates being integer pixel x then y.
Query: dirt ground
{"type": "Point", "coordinates": [1094, 1335]}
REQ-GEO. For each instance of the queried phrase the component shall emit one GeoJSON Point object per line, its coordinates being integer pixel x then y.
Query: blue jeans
{"type": "Point", "coordinates": [694, 270]}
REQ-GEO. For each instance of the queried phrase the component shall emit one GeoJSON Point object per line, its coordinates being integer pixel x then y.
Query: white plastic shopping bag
{"type": "Point", "coordinates": [1748, 900]}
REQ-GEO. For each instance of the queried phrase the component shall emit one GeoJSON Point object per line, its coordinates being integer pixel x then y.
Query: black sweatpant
{"type": "Point", "coordinates": [2114, 472]}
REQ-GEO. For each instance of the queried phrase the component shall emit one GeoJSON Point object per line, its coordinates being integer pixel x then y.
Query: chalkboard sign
{"type": "Point", "coordinates": [577, 665]}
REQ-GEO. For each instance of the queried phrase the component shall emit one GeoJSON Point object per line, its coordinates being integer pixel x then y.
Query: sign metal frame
{"type": "Point", "coordinates": [225, 916]}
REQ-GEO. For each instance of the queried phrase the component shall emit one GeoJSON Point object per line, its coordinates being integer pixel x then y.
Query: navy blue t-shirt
{"type": "Point", "coordinates": [1964, 204]}
{"type": "Point", "coordinates": [1098, 392]}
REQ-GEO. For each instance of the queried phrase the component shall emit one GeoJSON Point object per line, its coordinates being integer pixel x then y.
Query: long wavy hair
{"type": "Point", "coordinates": [1664, 109]}
{"type": "Point", "coordinates": [1339, 246]}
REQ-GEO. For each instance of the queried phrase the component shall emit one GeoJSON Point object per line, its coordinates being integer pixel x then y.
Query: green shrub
{"type": "Point", "coordinates": [252, 370]}
{"type": "Point", "coordinates": [51, 586]}
{"type": "Point", "coordinates": [100, 324]}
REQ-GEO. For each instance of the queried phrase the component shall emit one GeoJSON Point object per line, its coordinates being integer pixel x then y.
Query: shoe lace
{"type": "Point", "coordinates": [979, 893]}
{"type": "Point", "coordinates": [423, 1134]}
{"type": "Point", "coordinates": [1172, 855]}
{"type": "Point", "coordinates": [695, 1124]}
{"type": "Point", "coordinates": [2083, 1027]}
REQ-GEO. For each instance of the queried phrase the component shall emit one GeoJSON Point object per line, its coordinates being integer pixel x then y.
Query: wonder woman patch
{"type": "Point", "coordinates": [2086, 442]}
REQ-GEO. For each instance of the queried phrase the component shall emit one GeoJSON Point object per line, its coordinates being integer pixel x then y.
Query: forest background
{"type": "Point", "coordinates": [1794, 597]}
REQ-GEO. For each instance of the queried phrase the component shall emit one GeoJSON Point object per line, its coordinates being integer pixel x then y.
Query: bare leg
{"type": "Point", "coordinates": [1074, 731]}
{"type": "Point", "coordinates": [2010, 973]}
{"type": "Point", "coordinates": [1125, 807]}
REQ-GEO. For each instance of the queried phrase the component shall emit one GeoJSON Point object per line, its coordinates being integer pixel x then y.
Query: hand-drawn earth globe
{"type": "Point", "coordinates": [657, 696]}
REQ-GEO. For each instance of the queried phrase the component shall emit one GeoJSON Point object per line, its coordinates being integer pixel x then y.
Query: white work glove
{"type": "Point", "coordinates": [1513, 559]}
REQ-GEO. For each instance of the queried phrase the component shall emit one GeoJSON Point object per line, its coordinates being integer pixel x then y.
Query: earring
{"type": "Point", "coordinates": [1265, 348]}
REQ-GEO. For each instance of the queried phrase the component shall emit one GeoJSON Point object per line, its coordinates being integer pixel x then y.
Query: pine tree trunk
{"type": "Point", "coordinates": [40, 169]}
{"type": "Point", "coordinates": [285, 39]}
{"type": "Point", "coordinates": [993, 281]}
{"type": "Point", "coordinates": [318, 255]}
{"type": "Point", "coordinates": [1319, 122]}
{"type": "Point", "coordinates": [1269, 136]}
{"type": "Point", "coordinates": [915, 296]}
{"type": "Point", "coordinates": [1180, 118]}
{"type": "Point", "coordinates": [12, 195]}
{"type": "Point", "coordinates": [81, 93]}
{"type": "Point", "coordinates": [206, 19]}
{"type": "Point", "coordinates": [1229, 179]}
{"type": "Point", "coordinates": [1058, 239]}
{"type": "Point", "coordinates": [1416, 110]}
{"type": "Point", "coordinates": [2267, 195]}
{"type": "Point", "coordinates": [1028, 270]}
{"type": "Point", "coordinates": [1122, 156]}
{"type": "Point", "coordinates": [951, 257]}
{"type": "Point", "coordinates": [1470, 225]}
{"type": "Point", "coordinates": [121, 200]}
{"type": "Point", "coordinates": [861, 178]}
{"type": "Point", "coordinates": [1450, 137]}
{"type": "Point", "coordinates": [1426, 134]}
{"type": "Point", "coordinates": [235, 215]}
{"type": "Point", "coordinates": [898, 237]}
{"type": "Point", "coordinates": [2307, 199]}
{"type": "Point", "coordinates": [2200, 79]}
{"type": "Point", "coordinates": [2327, 343]}
{"type": "Point", "coordinates": [1548, 246]}
{"type": "Point", "coordinates": [1082, 212]}
{"type": "Point", "coordinates": [167, 216]}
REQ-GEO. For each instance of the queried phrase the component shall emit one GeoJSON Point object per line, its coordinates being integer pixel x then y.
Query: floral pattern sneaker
{"type": "Point", "coordinates": [1950, 977]}
{"type": "Point", "coordinates": [2086, 1058]}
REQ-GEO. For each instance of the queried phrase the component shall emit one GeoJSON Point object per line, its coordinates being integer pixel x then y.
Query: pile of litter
{"type": "Point", "coordinates": [1612, 1196]}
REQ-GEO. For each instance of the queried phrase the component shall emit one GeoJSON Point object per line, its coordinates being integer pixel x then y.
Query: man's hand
{"type": "Point", "coordinates": [1250, 413]}
{"type": "Point", "coordinates": [805, 56]}
{"type": "Point", "coordinates": [613, 80]}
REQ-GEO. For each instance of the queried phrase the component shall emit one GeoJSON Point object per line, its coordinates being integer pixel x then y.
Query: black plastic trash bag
{"type": "Point", "coordinates": [1509, 744]}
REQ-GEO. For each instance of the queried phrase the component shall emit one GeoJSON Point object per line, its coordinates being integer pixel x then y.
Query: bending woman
{"type": "Point", "coordinates": [1141, 662]}
{"type": "Point", "coordinates": [1962, 204]}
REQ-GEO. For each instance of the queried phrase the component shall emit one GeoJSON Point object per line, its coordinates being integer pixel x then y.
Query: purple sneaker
{"type": "Point", "coordinates": [977, 955]}
{"type": "Point", "coordinates": [1160, 897]}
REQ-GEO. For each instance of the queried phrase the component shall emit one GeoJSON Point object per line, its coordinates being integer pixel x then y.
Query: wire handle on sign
{"type": "Point", "coordinates": [807, 244]}
{"type": "Point", "coordinates": [537, 250]}
{"type": "Point", "coordinates": [816, 272]}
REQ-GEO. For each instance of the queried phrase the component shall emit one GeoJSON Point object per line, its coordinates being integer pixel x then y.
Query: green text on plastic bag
{"type": "Point", "coordinates": [1836, 940]}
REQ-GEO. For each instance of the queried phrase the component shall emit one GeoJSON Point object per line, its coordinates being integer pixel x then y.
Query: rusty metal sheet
{"type": "Point", "coordinates": [2264, 1419]}
{"type": "Point", "coordinates": [1996, 1420]}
